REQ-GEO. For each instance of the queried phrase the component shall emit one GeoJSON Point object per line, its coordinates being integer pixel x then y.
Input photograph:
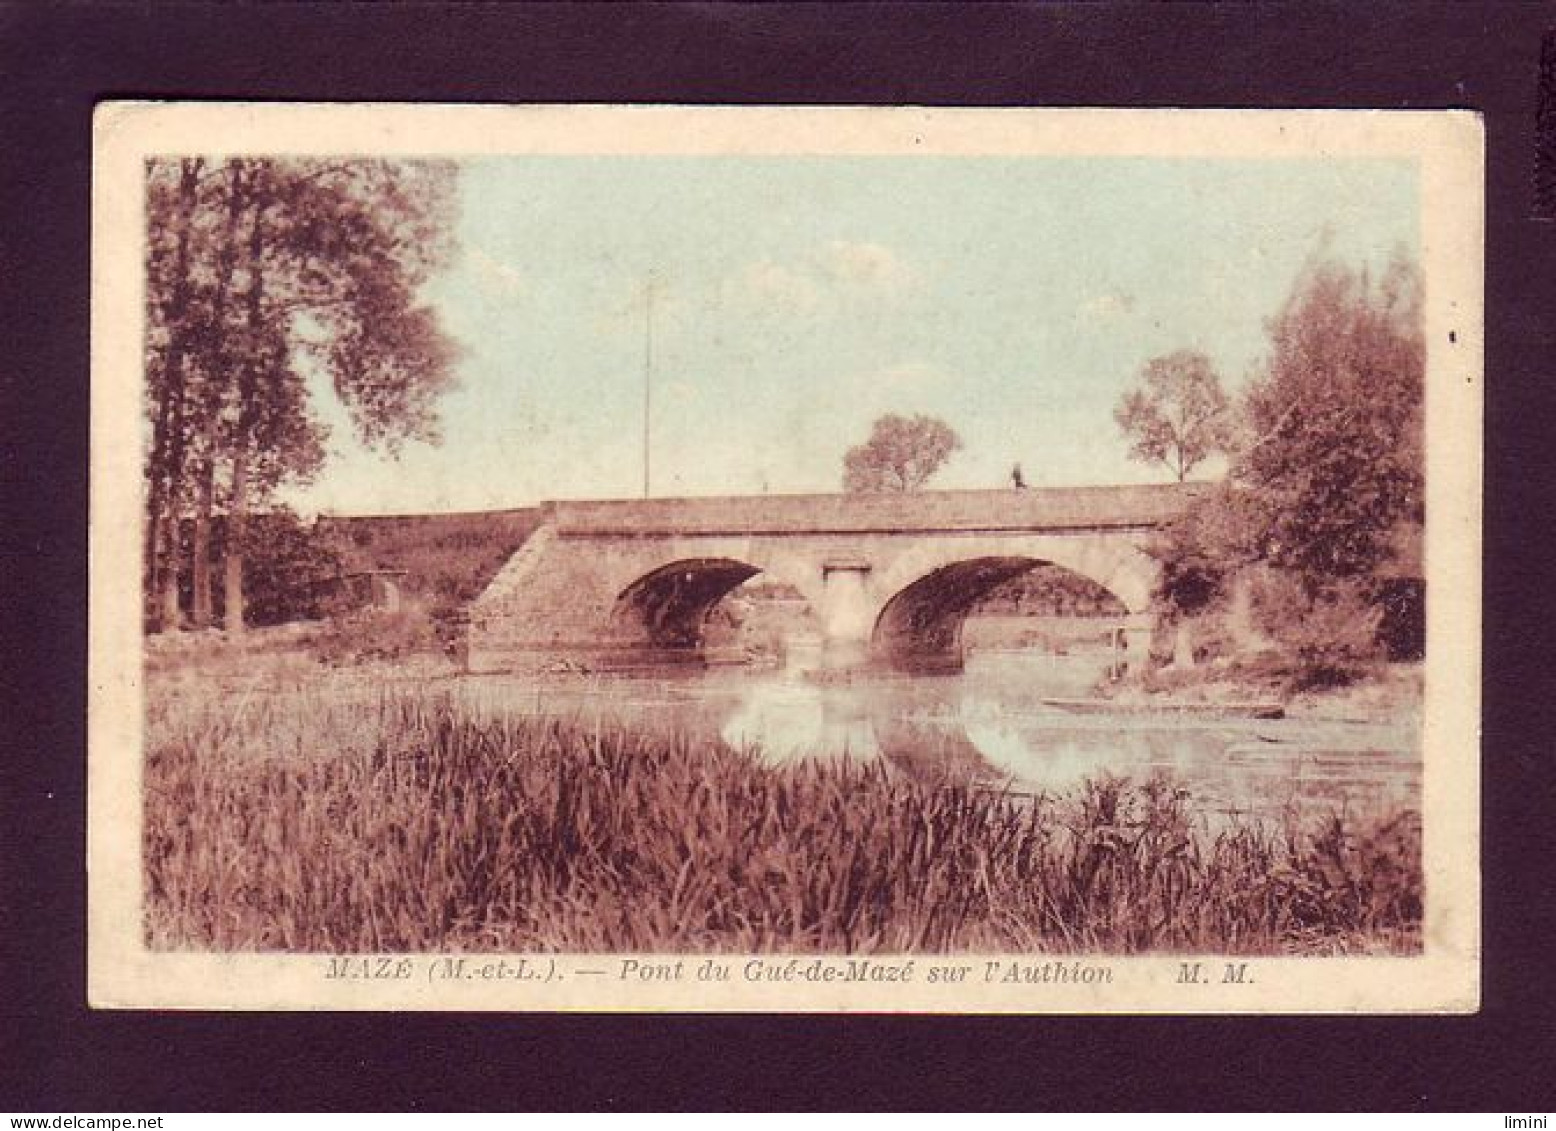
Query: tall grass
{"type": "Point", "coordinates": [417, 824]}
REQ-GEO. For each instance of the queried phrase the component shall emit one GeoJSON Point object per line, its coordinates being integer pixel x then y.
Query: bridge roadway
{"type": "Point", "coordinates": [890, 577]}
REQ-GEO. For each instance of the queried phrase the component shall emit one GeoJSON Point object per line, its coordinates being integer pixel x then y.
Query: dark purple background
{"type": "Point", "coordinates": [57, 60]}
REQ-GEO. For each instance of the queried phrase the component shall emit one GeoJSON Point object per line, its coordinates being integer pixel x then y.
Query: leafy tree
{"type": "Point", "coordinates": [1180, 417]}
{"type": "Point", "coordinates": [1336, 421]}
{"type": "Point", "coordinates": [266, 279]}
{"type": "Point", "coordinates": [1204, 548]}
{"type": "Point", "coordinates": [1321, 512]}
{"type": "Point", "coordinates": [292, 569]}
{"type": "Point", "coordinates": [900, 455]}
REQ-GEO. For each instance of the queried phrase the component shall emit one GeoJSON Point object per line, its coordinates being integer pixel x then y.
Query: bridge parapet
{"type": "Point", "coordinates": [1066, 508]}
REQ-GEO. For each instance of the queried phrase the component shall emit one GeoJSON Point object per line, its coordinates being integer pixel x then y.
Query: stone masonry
{"type": "Point", "coordinates": [890, 577]}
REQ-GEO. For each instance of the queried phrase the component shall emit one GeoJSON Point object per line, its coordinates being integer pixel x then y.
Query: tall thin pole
{"type": "Point", "coordinates": [648, 371]}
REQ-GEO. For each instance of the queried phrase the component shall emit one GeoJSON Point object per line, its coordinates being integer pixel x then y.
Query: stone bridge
{"type": "Point", "coordinates": [890, 578]}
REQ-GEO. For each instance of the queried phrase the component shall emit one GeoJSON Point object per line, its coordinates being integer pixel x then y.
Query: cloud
{"type": "Point", "coordinates": [903, 387]}
{"type": "Point", "coordinates": [772, 283]}
{"type": "Point", "coordinates": [1108, 305]}
{"type": "Point", "coordinates": [496, 277]}
{"type": "Point", "coordinates": [837, 272]}
{"type": "Point", "coordinates": [866, 265]}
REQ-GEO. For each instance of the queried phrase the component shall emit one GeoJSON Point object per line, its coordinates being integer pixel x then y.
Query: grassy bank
{"type": "Point", "coordinates": [1380, 692]}
{"type": "Point", "coordinates": [412, 823]}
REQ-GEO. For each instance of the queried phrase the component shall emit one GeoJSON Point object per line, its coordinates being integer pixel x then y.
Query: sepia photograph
{"type": "Point", "coordinates": [646, 557]}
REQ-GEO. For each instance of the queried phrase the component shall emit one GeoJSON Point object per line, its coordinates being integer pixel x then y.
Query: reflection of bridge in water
{"type": "Point", "coordinates": [988, 727]}
{"type": "Point", "coordinates": [891, 578]}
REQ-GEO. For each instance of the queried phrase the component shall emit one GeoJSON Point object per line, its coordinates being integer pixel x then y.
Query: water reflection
{"type": "Point", "coordinates": [990, 724]}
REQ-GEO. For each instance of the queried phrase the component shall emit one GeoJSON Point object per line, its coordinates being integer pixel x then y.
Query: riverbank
{"type": "Point", "coordinates": [399, 647]}
{"type": "Point", "coordinates": [409, 822]}
{"type": "Point", "coordinates": [1391, 693]}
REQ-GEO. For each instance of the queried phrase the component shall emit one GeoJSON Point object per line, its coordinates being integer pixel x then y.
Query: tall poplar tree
{"type": "Point", "coordinates": [269, 278]}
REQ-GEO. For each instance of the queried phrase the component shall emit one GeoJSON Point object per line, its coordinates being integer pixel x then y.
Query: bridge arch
{"type": "Point", "coordinates": [928, 594]}
{"type": "Point", "coordinates": [667, 608]}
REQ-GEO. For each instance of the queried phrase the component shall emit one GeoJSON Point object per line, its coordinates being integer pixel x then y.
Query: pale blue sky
{"type": "Point", "coordinates": [800, 298]}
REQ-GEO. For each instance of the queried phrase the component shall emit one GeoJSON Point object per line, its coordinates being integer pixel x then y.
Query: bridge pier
{"type": "Point", "coordinates": [847, 613]}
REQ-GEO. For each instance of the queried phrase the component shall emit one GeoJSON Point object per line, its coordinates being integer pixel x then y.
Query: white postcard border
{"type": "Point", "coordinates": [1449, 147]}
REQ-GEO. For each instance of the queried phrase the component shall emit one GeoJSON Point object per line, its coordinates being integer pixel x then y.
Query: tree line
{"type": "Point", "coordinates": [273, 282]}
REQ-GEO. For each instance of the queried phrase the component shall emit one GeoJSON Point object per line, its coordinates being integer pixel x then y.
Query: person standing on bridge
{"type": "Point", "coordinates": [1016, 480]}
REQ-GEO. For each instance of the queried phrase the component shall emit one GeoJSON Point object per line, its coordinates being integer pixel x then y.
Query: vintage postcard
{"type": "Point", "coordinates": [785, 559]}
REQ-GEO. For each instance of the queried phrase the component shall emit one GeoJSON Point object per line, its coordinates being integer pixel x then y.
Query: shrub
{"type": "Point", "coordinates": [291, 569]}
{"type": "Point", "coordinates": [1210, 638]}
{"type": "Point", "coordinates": [375, 634]}
{"type": "Point", "coordinates": [1332, 635]}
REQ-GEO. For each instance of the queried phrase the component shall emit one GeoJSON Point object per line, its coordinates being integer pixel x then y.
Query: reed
{"type": "Point", "coordinates": [413, 822]}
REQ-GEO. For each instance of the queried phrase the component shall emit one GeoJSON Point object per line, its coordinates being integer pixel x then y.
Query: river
{"type": "Point", "coordinates": [990, 723]}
